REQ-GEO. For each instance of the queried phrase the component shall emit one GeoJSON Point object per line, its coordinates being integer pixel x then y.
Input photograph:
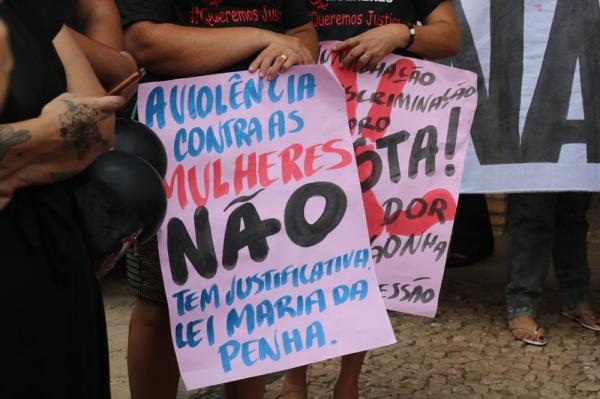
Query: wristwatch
{"type": "Point", "coordinates": [412, 32]}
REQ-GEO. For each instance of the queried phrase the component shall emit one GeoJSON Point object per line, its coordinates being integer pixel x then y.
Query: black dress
{"type": "Point", "coordinates": [53, 329]}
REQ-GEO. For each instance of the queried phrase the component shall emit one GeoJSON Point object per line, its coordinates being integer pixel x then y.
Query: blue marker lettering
{"type": "Point", "coordinates": [178, 113]}
{"type": "Point", "coordinates": [156, 107]}
{"type": "Point", "coordinates": [180, 138]}
{"type": "Point", "coordinates": [294, 117]}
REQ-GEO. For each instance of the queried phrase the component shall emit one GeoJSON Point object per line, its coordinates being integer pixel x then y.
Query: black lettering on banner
{"type": "Point", "coordinates": [438, 206]}
{"type": "Point", "coordinates": [421, 152]}
{"type": "Point", "coordinates": [391, 143]}
{"type": "Point", "coordinates": [254, 235]}
{"type": "Point", "coordinates": [180, 245]}
{"type": "Point", "coordinates": [376, 165]}
{"type": "Point", "coordinates": [416, 208]}
{"type": "Point", "coordinates": [410, 293]}
{"type": "Point", "coordinates": [495, 130]}
{"type": "Point", "coordinates": [546, 127]}
{"type": "Point", "coordinates": [300, 231]}
{"type": "Point", "coordinates": [451, 140]}
{"type": "Point", "coordinates": [393, 210]}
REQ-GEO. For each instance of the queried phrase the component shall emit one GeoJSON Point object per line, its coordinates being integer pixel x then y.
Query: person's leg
{"type": "Point", "coordinates": [472, 237]}
{"type": "Point", "coordinates": [250, 388]}
{"type": "Point", "coordinates": [294, 383]}
{"type": "Point", "coordinates": [529, 249]}
{"type": "Point", "coordinates": [570, 254]}
{"type": "Point", "coordinates": [346, 386]}
{"type": "Point", "coordinates": [151, 361]}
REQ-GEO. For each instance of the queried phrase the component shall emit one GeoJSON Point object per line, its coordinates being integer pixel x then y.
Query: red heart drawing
{"type": "Point", "coordinates": [349, 79]}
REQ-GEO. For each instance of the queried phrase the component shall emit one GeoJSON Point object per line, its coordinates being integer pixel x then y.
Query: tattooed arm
{"type": "Point", "coordinates": [58, 144]}
{"type": "Point", "coordinates": [71, 131]}
{"type": "Point", "coordinates": [81, 78]}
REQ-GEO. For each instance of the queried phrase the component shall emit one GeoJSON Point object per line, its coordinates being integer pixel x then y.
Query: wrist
{"type": "Point", "coordinates": [264, 38]}
{"type": "Point", "coordinates": [409, 34]}
{"type": "Point", "coordinates": [401, 34]}
{"type": "Point", "coordinates": [45, 134]}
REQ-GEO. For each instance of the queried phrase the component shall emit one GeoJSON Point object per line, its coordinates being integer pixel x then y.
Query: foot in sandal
{"type": "Point", "coordinates": [585, 315]}
{"type": "Point", "coordinates": [526, 329]}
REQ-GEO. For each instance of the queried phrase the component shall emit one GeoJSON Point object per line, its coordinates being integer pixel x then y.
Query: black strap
{"type": "Point", "coordinates": [412, 33]}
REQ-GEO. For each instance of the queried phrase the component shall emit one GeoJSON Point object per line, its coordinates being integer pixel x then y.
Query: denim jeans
{"type": "Point", "coordinates": [544, 227]}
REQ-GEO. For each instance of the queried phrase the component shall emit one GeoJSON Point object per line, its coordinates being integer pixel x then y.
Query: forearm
{"type": "Point", "coordinates": [439, 37]}
{"type": "Point", "coordinates": [101, 22]}
{"type": "Point", "coordinates": [108, 64]}
{"type": "Point", "coordinates": [308, 37]}
{"type": "Point", "coordinates": [433, 41]}
{"type": "Point", "coordinates": [170, 49]}
{"type": "Point", "coordinates": [21, 143]}
{"type": "Point", "coordinates": [80, 75]}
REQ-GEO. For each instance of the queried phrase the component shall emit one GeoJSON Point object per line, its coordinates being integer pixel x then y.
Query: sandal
{"type": "Point", "coordinates": [585, 319]}
{"type": "Point", "coordinates": [539, 340]}
{"type": "Point", "coordinates": [536, 333]}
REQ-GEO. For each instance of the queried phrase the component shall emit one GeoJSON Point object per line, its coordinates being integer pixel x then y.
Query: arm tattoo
{"type": "Point", "coordinates": [79, 128]}
{"type": "Point", "coordinates": [10, 138]}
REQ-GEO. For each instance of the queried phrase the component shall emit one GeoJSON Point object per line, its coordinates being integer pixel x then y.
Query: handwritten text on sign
{"type": "Point", "coordinates": [410, 121]}
{"type": "Point", "coordinates": [264, 251]}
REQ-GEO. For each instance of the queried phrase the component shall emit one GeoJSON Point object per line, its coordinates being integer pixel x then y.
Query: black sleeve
{"type": "Point", "coordinates": [295, 13]}
{"type": "Point", "coordinates": [425, 7]}
{"type": "Point", "coordinates": [48, 16]}
{"type": "Point", "coordinates": [145, 10]}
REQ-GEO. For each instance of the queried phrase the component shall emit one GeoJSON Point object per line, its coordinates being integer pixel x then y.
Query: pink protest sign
{"type": "Point", "coordinates": [410, 121]}
{"type": "Point", "coordinates": [264, 250]}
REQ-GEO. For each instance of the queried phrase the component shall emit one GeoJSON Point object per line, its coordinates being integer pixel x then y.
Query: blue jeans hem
{"type": "Point", "coordinates": [514, 313]}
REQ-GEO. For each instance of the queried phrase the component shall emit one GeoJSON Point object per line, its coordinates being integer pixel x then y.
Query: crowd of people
{"type": "Point", "coordinates": [57, 61]}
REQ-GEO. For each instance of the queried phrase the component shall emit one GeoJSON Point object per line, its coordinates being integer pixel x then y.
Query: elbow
{"type": "Point", "coordinates": [453, 49]}
{"type": "Point", "coordinates": [124, 68]}
{"type": "Point", "coordinates": [141, 44]}
{"type": "Point", "coordinates": [454, 41]}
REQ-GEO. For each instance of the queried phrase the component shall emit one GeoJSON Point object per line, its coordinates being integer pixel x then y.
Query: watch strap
{"type": "Point", "coordinates": [412, 34]}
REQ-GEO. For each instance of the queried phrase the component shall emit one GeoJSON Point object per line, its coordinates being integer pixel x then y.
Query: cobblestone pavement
{"type": "Point", "coordinates": [465, 352]}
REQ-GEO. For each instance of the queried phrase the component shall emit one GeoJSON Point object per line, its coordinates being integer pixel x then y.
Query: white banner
{"type": "Point", "coordinates": [537, 126]}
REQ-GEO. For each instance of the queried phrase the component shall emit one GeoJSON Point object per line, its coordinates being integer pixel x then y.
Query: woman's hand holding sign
{"type": "Point", "coordinates": [370, 47]}
{"type": "Point", "coordinates": [281, 54]}
{"type": "Point", "coordinates": [437, 38]}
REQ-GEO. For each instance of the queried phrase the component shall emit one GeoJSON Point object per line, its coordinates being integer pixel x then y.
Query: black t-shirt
{"type": "Point", "coordinates": [273, 15]}
{"type": "Point", "coordinates": [342, 19]}
{"type": "Point", "coordinates": [38, 75]}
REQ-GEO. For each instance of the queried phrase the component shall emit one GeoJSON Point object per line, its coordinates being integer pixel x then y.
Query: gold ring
{"type": "Point", "coordinates": [364, 58]}
{"type": "Point", "coordinates": [283, 57]}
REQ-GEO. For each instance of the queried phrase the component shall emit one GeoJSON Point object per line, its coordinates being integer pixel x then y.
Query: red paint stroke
{"type": "Point", "coordinates": [390, 85]}
{"type": "Point", "coordinates": [405, 226]}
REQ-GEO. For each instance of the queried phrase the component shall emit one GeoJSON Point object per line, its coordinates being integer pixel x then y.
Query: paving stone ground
{"type": "Point", "coordinates": [465, 352]}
